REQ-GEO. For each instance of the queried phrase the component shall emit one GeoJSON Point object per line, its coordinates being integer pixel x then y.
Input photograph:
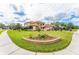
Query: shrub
{"type": "Point", "coordinates": [42, 35]}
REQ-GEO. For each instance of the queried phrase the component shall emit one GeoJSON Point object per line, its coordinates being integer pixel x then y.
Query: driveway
{"type": "Point", "coordinates": [7, 47]}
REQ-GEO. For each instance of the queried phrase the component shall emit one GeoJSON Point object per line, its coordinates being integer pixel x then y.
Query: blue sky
{"type": "Point", "coordinates": [15, 11]}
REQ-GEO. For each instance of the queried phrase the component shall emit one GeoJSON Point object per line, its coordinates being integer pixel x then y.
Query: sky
{"type": "Point", "coordinates": [20, 11]}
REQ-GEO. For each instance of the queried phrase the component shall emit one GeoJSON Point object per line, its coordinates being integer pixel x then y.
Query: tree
{"type": "Point", "coordinates": [64, 26]}
{"type": "Point", "coordinates": [18, 26]}
{"type": "Point", "coordinates": [2, 25]}
{"type": "Point", "coordinates": [11, 26]}
{"type": "Point", "coordinates": [70, 26]}
{"type": "Point", "coordinates": [15, 26]}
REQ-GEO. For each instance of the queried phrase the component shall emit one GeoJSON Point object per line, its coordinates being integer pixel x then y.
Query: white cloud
{"type": "Point", "coordinates": [75, 20]}
{"type": "Point", "coordinates": [34, 10]}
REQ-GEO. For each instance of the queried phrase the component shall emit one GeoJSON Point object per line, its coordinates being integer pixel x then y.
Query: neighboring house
{"type": "Point", "coordinates": [38, 25]}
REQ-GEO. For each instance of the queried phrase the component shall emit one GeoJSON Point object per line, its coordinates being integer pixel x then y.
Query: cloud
{"type": "Point", "coordinates": [1, 14]}
{"type": "Point", "coordinates": [18, 10]}
{"type": "Point", "coordinates": [13, 7]}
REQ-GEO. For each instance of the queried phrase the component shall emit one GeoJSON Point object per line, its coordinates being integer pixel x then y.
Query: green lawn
{"type": "Point", "coordinates": [1, 31]}
{"type": "Point", "coordinates": [17, 36]}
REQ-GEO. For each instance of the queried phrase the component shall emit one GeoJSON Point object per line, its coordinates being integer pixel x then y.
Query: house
{"type": "Point", "coordinates": [47, 27]}
{"type": "Point", "coordinates": [38, 25]}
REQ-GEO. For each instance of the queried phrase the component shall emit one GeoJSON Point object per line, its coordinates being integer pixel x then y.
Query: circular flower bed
{"type": "Point", "coordinates": [42, 39]}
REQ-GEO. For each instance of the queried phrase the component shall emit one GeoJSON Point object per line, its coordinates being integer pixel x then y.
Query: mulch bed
{"type": "Point", "coordinates": [42, 40]}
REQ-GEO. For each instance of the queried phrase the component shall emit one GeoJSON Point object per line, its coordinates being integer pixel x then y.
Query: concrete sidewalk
{"type": "Point", "coordinates": [7, 47]}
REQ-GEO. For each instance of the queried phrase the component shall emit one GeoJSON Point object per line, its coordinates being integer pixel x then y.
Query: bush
{"type": "Point", "coordinates": [42, 35]}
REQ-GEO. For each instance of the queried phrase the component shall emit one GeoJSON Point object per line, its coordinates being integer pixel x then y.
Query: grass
{"type": "Point", "coordinates": [16, 36]}
{"type": "Point", "coordinates": [1, 31]}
